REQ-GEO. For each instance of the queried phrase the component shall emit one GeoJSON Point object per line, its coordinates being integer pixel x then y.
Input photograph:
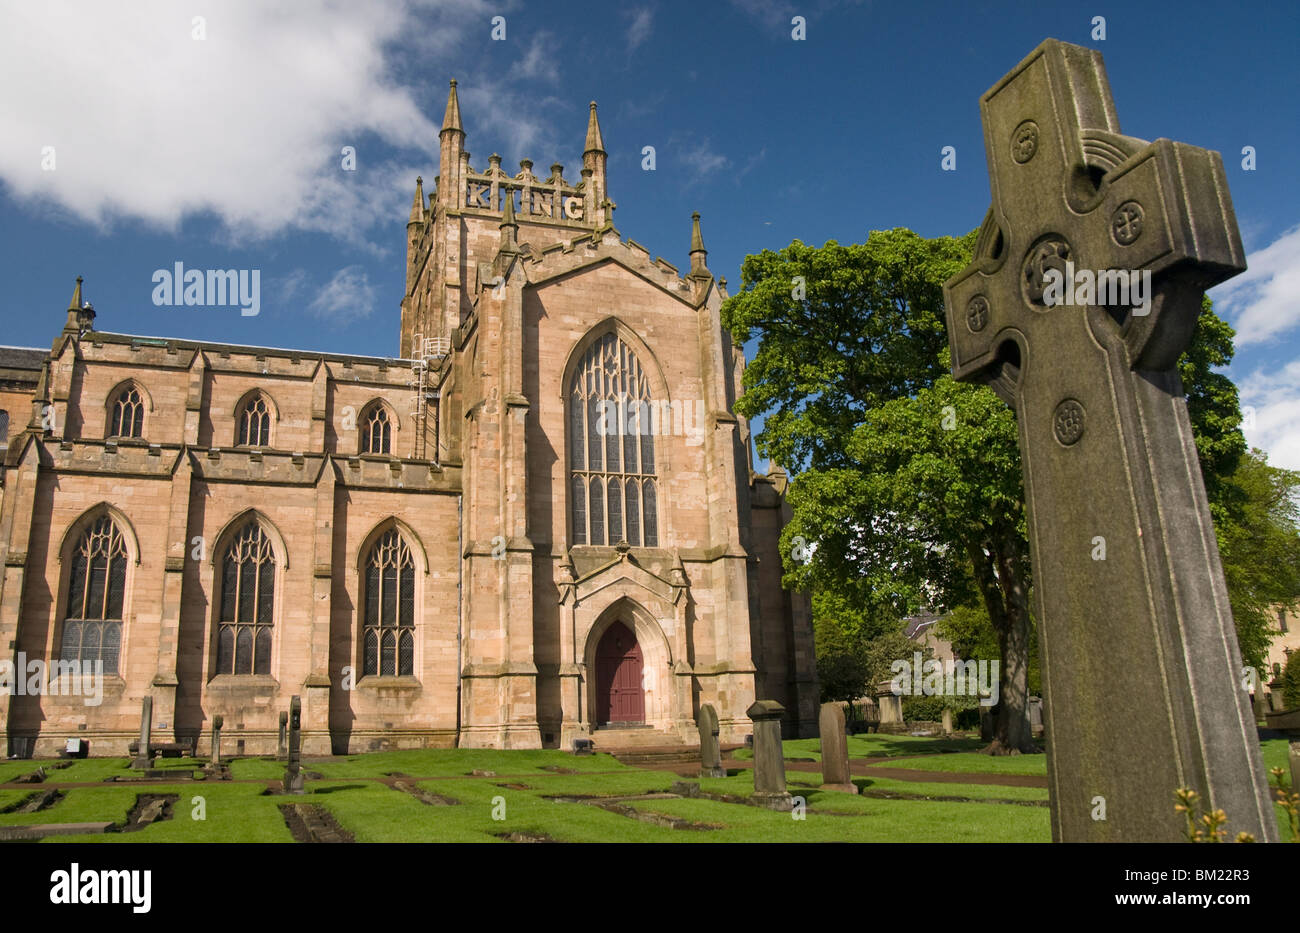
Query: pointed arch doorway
{"type": "Point", "coordinates": [619, 665]}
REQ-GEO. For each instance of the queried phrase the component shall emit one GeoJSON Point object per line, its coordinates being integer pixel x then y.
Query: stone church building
{"type": "Point", "coordinates": [539, 521]}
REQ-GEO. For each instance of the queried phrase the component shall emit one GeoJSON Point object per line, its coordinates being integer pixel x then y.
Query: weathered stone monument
{"type": "Point", "coordinates": [141, 760]}
{"type": "Point", "coordinates": [947, 721]}
{"type": "Point", "coordinates": [769, 757]}
{"type": "Point", "coordinates": [835, 749]}
{"type": "Point", "coordinates": [710, 750]}
{"type": "Point", "coordinates": [217, 722]}
{"type": "Point", "coordinates": [282, 747]}
{"type": "Point", "coordinates": [1129, 592]}
{"type": "Point", "coordinates": [293, 781]}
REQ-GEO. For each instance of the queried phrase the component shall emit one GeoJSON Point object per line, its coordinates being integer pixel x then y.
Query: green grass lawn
{"type": "Point", "coordinates": [486, 809]}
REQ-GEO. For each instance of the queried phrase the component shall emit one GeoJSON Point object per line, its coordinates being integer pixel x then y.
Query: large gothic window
{"type": "Point", "coordinates": [612, 486]}
{"type": "Point", "coordinates": [254, 423]}
{"type": "Point", "coordinates": [376, 431]}
{"type": "Point", "coordinates": [92, 625]}
{"type": "Point", "coordinates": [388, 635]}
{"type": "Point", "coordinates": [126, 415]}
{"type": "Point", "coordinates": [247, 603]}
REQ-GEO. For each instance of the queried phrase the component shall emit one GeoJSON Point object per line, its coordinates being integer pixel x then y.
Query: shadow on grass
{"type": "Point", "coordinates": [339, 787]}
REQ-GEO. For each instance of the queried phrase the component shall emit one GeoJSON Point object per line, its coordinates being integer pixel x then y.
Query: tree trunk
{"type": "Point", "coordinates": [999, 573]}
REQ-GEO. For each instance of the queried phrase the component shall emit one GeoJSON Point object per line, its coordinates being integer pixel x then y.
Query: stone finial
{"type": "Point", "coordinates": [594, 141]}
{"type": "Point", "coordinates": [451, 121]}
{"type": "Point", "coordinates": [509, 226]}
{"type": "Point", "coordinates": [698, 253]}
{"type": "Point", "coordinates": [81, 313]}
{"type": "Point", "coordinates": [417, 203]}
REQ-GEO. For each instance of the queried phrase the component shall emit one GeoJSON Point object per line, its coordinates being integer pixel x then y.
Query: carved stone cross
{"type": "Point", "coordinates": [1141, 669]}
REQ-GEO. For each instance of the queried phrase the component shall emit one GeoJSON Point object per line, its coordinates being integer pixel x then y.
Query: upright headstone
{"type": "Point", "coordinates": [769, 757]}
{"type": "Point", "coordinates": [293, 781]}
{"type": "Point", "coordinates": [835, 749]}
{"type": "Point", "coordinates": [1259, 703]}
{"type": "Point", "coordinates": [282, 748]}
{"type": "Point", "coordinates": [217, 722]}
{"type": "Point", "coordinates": [891, 711]}
{"type": "Point", "coordinates": [1123, 549]}
{"type": "Point", "coordinates": [141, 760]}
{"type": "Point", "coordinates": [710, 750]}
{"type": "Point", "coordinates": [947, 721]}
{"type": "Point", "coordinates": [1035, 715]}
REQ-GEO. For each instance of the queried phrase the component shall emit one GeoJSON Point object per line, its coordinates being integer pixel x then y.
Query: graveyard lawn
{"type": "Point", "coordinates": [489, 796]}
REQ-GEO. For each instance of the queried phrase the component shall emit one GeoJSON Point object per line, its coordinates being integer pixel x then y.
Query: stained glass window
{"type": "Point", "coordinates": [388, 635]}
{"type": "Point", "coordinates": [612, 495]}
{"type": "Point", "coordinates": [247, 603]}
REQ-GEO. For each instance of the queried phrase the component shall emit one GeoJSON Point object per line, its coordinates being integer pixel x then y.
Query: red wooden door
{"type": "Point", "coordinates": [618, 677]}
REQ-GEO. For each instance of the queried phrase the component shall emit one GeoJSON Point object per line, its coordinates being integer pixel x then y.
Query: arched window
{"type": "Point", "coordinates": [126, 415]}
{"type": "Point", "coordinates": [254, 423]}
{"type": "Point", "coordinates": [612, 488]}
{"type": "Point", "coordinates": [376, 431]}
{"type": "Point", "coordinates": [92, 624]}
{"type": "Point", "coordinates": [247, 603]}
{"type": "Point", "coordinates": [388, 634]}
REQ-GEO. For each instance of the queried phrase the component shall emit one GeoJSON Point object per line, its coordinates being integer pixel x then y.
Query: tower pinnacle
{"type": "Point", "coordinates": [451, 121]}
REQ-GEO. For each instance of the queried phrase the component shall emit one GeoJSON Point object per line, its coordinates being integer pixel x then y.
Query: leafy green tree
{"type": "Point", "coordinates": [908, 481]}
{"type": "Point", "coordinates": [854, 646]}
{"type": "Point", "coordinates": [1260, 549]}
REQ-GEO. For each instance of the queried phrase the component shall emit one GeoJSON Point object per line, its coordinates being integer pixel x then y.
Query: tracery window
{"type": "Point", "coordinates": [247, 603]}
{"type": "Point", "coordinates": [126, 417]}
{"type": "Point", "coordinates": [376, 437]}
{"type": "Point", "coordinates": [254, 423]}
{"type": "Point", "coordinates": [92, 623]}
{"type": "Point", "coordinates": [613, 490]}
{"type": "Point", "coordinates": [388, 634]}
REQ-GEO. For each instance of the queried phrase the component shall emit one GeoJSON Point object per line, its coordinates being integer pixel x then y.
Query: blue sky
{"type": "Point", "coordinates": [225, 151]}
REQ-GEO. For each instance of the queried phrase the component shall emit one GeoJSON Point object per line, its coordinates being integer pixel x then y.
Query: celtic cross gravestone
{"type": "Point", "coordinates": [1130, 596]}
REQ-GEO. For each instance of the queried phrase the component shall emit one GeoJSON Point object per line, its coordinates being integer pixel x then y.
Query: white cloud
{"type": "Point", "coordinates": [540, 61]}
{"type": "Point", "coordinates": [346, 297]}
{"type": "Point", "coordinates": [1265, 299]}
{"type": "Point", "coordinates": [149, 123]}
{"type": "Point", "coordinates": [1271, 413]}
{"type": "Point", "coordinates": [638, 31]}
{"type": "Point", "coordinates": [702, 160]}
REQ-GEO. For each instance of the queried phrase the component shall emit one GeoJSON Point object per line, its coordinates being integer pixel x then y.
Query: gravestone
{"type": "Point", "coordinates": [293, 780]}
{"type": "Point", "coordinates": [1259, 703]}
{"type": "Point", "coordinates": [217, 722]}
{"type": "Point", "coordinates": [282, 747]}
{"type": "Point", "coordinates": [1129, 594]}
{"type": "Point", "coordinates": [769, 758]}
{"type": "Point", "coordinates": [835, 749]}
{"type": "Point", "coordinates": [710, 751]}
{"type": "Point", "coordinates": [947, 721]}
{"type": "Point", "coordinates": [890, 705]}
{"type": "Point", "coordinates": [1035, 715]}
{"type": "Point", "coordinates": [141, 761]}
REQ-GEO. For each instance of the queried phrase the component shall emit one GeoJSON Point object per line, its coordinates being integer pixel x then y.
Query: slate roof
{"type": "Point", "coordinates": [22, 358]}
